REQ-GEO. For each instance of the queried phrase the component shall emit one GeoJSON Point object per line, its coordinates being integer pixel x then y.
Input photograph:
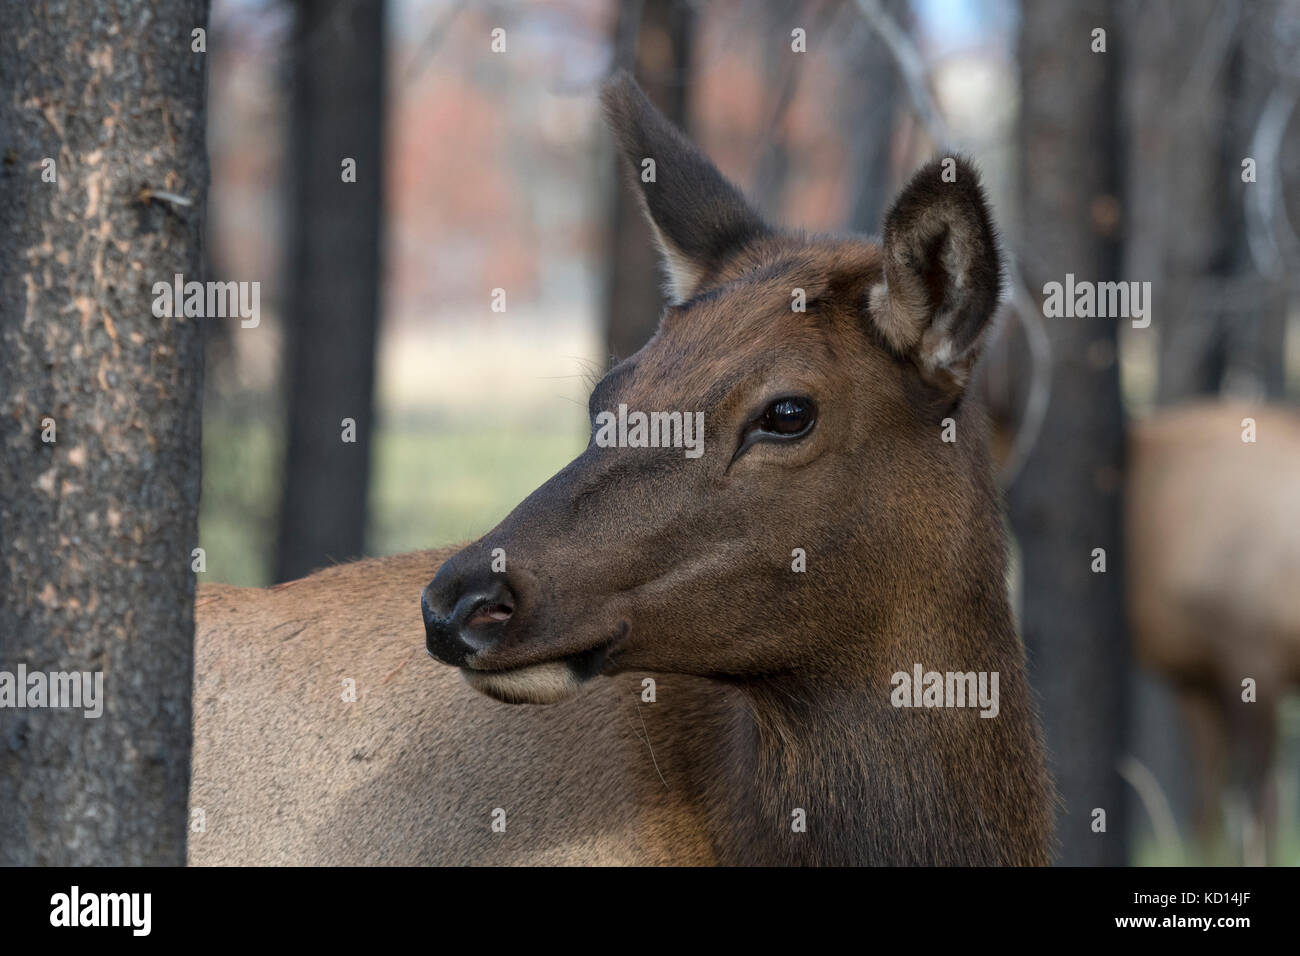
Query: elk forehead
{"type": "Point", "coordinates": [839, 269]}
{"type": "Point", "coordinates": [786, 303]}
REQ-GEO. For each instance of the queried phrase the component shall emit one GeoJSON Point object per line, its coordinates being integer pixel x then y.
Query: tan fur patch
{"type": "Point", "coordinates": [537, 684]}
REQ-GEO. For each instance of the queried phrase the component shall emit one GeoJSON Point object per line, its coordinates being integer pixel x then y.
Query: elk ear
{"type": "Point", "coordinates": [698, 218]}
{"type": "Point", "coordinates": [943, 274]}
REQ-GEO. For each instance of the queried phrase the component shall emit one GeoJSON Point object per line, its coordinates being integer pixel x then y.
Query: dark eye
{"type": "Point", "coordinates": [784, 419]}
{"type": "Point", "coordinates": [788, 417]}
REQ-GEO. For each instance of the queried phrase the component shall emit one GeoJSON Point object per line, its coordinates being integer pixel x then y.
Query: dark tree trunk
{"type": "Point", "coordinates": [653, 42]}
{"type": "Point", "coordinates": [1174, 237]}
{"type": "Point", "coordinates": [1066, 501]}
{"type": "Point", "coordinates": [97, 526]}
{"type": "Point", "coordinates": [337, 107]}
{"type": "Point", "coordinates": [1178, 103]}
{"type": "Point", "coordinates": [1195, 88]}
{"type": "Point", "coordinates": [1198, 84]}
{"type": "Point", "coordinates": [780, 73]}
{"type": "Point", "coordinates": [1255, 327]}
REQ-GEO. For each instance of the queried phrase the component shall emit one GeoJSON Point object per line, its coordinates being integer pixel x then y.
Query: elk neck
{"type": "Point", "coordinates": [879, 784]}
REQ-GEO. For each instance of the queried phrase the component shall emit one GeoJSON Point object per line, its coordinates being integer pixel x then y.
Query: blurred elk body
{"type": "Point", "coordinates": [1214, 560]}
{"type": "Point", "coordinates": [709, 699]}
{"type": "Point", "coordinates": [1212, 532]}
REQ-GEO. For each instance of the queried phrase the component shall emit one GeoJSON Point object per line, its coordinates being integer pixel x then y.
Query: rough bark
{"type": "Point", "coordinates": [653, 41]}
{"type": "Point", "coordinates": [337, 110]}
{"type": "Point", "coordinates": [97, 526]}
{"type": "Point", "coordinates": [1066, 501]}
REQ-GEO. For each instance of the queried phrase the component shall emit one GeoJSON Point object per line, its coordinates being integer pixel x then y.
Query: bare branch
{"type": "Point", "coordinates": [1157, 805]}
{"type": "Point", "coordinates": [432, 40]}
{"type": "Point", "coordinates": [911, 66]}
{"type": "Point", "coordinates": [1266, 217]}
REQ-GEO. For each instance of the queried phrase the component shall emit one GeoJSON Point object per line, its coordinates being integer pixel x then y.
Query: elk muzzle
{"type": "Point", "coordinates": [476, 620]}
{"type": "Point", "coordinates": [465, 615]}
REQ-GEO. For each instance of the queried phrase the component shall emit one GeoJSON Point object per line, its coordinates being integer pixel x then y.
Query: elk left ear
{"type": "Point", "coordinates": [943, 275]}
{"type": "Point", "coordinates": [698, 218]}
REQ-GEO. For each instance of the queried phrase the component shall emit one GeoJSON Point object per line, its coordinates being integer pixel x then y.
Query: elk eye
{"type": "Point", "coordinates": [788, 417]}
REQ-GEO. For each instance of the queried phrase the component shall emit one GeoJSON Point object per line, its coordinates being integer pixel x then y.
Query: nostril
{"type": "Point", "coordinates": [490, 614]}
{"type": "Point", "coordinates": [484, 611]}
{"type": "Point", "coordinates": [466, 613]}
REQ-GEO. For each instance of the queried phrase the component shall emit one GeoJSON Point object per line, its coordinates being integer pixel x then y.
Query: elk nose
{"type": "Point", "coordinates": [462, 619]}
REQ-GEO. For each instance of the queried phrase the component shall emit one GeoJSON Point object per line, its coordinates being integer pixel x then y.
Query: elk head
{"type": "Point", "coordinates": [823, 369]}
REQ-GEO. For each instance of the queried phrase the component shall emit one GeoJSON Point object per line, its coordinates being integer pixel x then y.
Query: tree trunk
{"type": "Point", "coordinates": [653, 42]}
{"type": "Point", "coordinates": [1199, 81]}
{"type": "Point", "coordinates": [1178, 103]}
{"type": "Point", "coordinates": [868, 101]}
{"type": "Point", "coordinates": [337, 106]}
{"type": "Point", "coordinates": [1195, 89]}
{"type": "Point", "coordinates": [97, 524]}
{"type": "Point", "coordinates": [1066, 501]}
{"type": "Point", "coordinates": [1255, 328]}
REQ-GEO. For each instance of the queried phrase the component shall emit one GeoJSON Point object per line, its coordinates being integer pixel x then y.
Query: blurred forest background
{"type": "Point", "coordinates": [482, 170]}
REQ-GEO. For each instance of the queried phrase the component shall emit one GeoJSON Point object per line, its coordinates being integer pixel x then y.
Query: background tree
{"type": "Point", "coordinates": [97, 524]}
{"type": "Point", "coordinates": [1197, 85]}
{"type": "Point", "coordinates": [868, 105]}
{"type": "Point", "coordinates": [1198, 90]}
{"type": "Point", "coordinates": [332, 314]}
{"type": "Point", "coordinates": [1067, 498]}
{"type": "Point", "coordinates": [653, 41]}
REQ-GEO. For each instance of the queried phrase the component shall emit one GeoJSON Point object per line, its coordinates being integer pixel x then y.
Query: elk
{"type": "Point", "coordinates": [1212, 556]}
{"type": "Point", "coordinates": [706, 699]}
{"type": "Point", "coordinates": [1213, 559]}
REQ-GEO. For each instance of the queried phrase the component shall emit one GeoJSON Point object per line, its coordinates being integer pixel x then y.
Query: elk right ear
{"type": "Point", "coordinates": [943, 275]}
{"type": "Point", "coordinates": [698, 218]}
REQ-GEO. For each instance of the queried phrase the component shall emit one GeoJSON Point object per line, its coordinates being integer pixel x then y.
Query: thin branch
{"type": "Point", "coordinates": [911, 66]}
{"type": "Point", "coordinates": [1265, 211]}
{"type": "Point", "coordinates": [773, 137]}
{"type": "Point", "coordinates": [1157, 805]}
{"type": "Point", "coordinates": [432, 40]}
{"type": "Point", "coordinates": [1216, 45]}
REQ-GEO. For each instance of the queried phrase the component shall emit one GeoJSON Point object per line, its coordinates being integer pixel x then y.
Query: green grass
{"type": "Point", "coordinates": [428, 488]}
{"type": "Point", "coordinates": [1285, 849]}
{"type": "Point", "coordinates": [237, 513]}
{"type": "Point", "coordinates": [436, 489]}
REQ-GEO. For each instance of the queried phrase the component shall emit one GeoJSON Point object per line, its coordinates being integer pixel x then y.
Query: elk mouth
{"type": "Point", "coordinates": [545, 682]}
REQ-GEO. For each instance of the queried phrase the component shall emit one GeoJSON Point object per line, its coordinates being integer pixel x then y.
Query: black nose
{"type": "Point", "coordinates": [465, 614]}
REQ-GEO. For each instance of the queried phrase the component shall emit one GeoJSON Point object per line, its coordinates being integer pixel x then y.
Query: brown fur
{"type": "Point", "coordinates": [772, 687]}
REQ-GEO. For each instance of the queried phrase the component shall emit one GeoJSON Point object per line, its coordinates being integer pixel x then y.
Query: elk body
{"type": "Point", "coordinates": [1214, 561]}
{"type": "Point", "coordinates": [708, 702]}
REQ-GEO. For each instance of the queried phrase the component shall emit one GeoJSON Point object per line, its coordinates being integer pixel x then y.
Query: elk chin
{"type": "Point", "coordinates": [546, 683]}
